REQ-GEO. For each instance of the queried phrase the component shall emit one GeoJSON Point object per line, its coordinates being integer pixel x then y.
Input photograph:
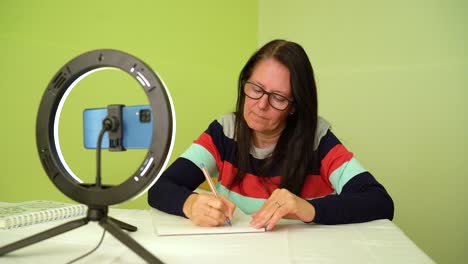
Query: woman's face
{"type": "Point", "coordinates": [260, 116]}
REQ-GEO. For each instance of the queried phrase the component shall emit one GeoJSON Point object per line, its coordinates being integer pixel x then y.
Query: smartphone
{"type": "Point", "coordinates": [137, 127]}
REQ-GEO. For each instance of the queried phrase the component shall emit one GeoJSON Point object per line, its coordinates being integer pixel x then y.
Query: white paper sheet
{"type": "Point", "coordinates": [172, 225]}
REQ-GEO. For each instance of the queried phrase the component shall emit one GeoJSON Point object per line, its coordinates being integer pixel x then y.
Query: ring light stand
{"type": "Point", "coordinates": [98, 197]}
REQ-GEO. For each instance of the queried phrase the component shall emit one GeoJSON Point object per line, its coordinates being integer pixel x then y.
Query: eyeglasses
{"type": "Point", "coordinates": [277, 101]}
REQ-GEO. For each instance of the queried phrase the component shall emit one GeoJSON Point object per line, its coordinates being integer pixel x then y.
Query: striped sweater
{"type": "Point", "coordinates": [341, 190]}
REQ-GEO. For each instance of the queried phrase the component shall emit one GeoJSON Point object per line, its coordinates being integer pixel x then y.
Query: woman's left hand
{"type": "Point", "coordinates": [282, 204]}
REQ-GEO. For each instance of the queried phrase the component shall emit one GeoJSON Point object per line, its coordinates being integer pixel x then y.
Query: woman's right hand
{"type": "Point", "coordinates": [208, 210]}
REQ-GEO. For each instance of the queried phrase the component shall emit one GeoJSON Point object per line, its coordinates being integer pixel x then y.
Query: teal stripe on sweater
{"type": "Point", "coordinates": [248, 205]}
{"type": "Point", "coordinates": [344, 173]}
{"type": "Point", "coordinates": [198, 155]}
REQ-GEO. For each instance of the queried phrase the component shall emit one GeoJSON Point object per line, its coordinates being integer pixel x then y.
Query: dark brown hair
{"type": "Point", "coordinates": [294, 151]}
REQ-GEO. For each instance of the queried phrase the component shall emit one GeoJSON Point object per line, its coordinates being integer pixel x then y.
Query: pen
{"type": "Point", "coordinates": [212, 187]}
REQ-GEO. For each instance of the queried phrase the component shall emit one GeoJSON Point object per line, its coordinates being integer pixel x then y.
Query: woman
{"type": "Point", "coordinates": [274, 157]}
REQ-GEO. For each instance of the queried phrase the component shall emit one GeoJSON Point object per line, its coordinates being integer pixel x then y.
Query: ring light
{"type": "Point", "coordinates": [48, 122]}
{"type": "Point", "coordinates": [98, 197]}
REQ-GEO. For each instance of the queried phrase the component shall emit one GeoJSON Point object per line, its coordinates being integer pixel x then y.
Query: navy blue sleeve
{"type": "Point", "coordinates": [174, 186]}
{"type": "Point", "coordinates": [362, 199]}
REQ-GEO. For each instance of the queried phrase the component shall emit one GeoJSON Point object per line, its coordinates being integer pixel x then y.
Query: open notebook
{"type": "Point", "coordinates": [173, 225]}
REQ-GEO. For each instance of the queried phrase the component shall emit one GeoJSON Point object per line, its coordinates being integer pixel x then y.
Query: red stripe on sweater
{"type": "Point", "coordinates": [333, 160]}
{"type": "Point", "coordinates": [206, 141]}
{"type": "Point", "coordinates": [316, 186]}
{"type": "Point", "coordinates": [260, 187]}
{"type": "Point", "coordinates": [251, 185]}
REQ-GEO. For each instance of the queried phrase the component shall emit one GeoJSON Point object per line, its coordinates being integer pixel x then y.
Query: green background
{"type": "Point", "coordinates": [392, 79]}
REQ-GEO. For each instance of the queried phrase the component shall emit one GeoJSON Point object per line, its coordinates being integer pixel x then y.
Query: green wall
{"type": "Point", "coordinates": [392, 78]}
{"type": "Point", "coordinates": [197, 47]}
{"type": "Point", "coordinates": [393, 81]}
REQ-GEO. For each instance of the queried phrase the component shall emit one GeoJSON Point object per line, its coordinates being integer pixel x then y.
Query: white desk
{"type": "Point", "coordinates": [373, 242]}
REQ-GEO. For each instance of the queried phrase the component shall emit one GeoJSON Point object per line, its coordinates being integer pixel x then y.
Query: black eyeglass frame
{"type": "Point", "coordinates": [290, 102]}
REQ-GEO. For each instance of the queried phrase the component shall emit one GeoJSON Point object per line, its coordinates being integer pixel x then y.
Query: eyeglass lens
{"type": "Point", "coordinates": [256, 92]}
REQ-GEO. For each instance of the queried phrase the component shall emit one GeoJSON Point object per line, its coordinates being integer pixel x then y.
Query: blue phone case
{"type": "Point", "coordinates": [137, 127]}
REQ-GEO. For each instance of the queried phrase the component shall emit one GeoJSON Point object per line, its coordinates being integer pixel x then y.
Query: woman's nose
{"type": "Point", "coordinates": [263, 101]}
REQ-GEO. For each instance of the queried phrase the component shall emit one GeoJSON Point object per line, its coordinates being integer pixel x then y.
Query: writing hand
{"type": "Point", "coordinates": [208, 210]}
{"type": "Point", "coordinates": [282, 204]}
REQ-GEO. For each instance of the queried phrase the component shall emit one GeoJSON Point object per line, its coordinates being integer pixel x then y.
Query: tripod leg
{"type": "Point", "coordinates": [113, 228]}
{"type": "Point", "coordinates": [43, 235]}
{"type": "Point", "coordinates": [123, 225]}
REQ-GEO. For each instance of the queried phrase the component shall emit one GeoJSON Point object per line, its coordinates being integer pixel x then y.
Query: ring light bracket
{"type": "Point", "coordinates": [114, 113]}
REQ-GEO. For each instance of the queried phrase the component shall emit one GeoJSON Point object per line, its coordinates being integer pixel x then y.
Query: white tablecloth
{"type": "Point", "coordinates": [373, 242]}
